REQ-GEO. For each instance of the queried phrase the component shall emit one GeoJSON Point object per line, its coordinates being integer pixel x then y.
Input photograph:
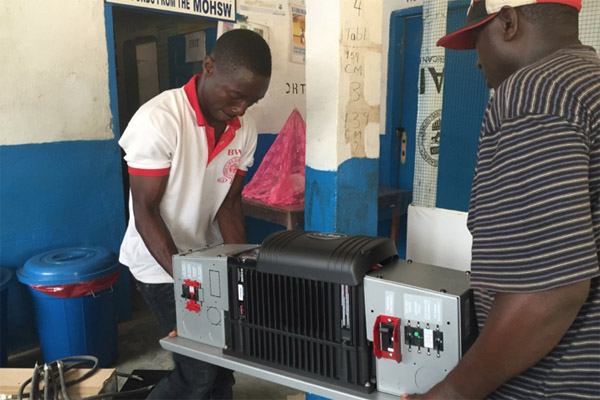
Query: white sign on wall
{"type": "Point", "coordinates": [195, 46]}
{"type": "Point", "coordinates": [429, 114]}
{"type": "Point", "coordinates": [219, 9]}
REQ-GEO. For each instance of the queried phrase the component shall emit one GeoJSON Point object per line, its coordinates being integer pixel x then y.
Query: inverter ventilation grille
{"type": "Point", "coordinates": [311, 327]}
{"type": "Point", "coordinates": [297, 303]}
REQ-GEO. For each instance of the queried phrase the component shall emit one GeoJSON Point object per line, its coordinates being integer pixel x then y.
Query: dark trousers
{"type": "Point", "coordinates": [190, 378]}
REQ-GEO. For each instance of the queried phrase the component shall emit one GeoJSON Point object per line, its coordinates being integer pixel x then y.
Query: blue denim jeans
{"type": "Point", "coordinates": [190, 378]}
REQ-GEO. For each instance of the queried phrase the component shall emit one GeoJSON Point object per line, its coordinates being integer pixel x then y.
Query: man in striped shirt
{"type": "Point", "coordinates": [535, 207]}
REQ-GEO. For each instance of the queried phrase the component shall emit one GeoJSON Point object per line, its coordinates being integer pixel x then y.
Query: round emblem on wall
{"type": "Point", "coordinates": [429, 138]}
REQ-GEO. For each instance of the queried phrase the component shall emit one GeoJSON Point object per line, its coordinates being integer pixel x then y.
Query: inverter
{"type": "Point", "coordinates": [330, 307]}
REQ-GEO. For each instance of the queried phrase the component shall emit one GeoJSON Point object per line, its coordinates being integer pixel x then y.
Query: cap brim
{"type": "Point", "coordinates": [462, 39]}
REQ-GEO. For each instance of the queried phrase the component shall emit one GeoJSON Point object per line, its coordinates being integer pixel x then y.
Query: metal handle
{"type": "Point", "coordinates": [401, 133]}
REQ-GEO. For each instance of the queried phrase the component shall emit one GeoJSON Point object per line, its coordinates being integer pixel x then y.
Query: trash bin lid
{"type": "Point", "coordinates": [5, 276]}
{"type": "Point", "coordinates": [68, 265]}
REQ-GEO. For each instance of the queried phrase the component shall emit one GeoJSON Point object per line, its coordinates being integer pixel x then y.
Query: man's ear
{"type": "Point", "coordinates": [509, 20]}
{"type": "Point", "coordinates": [208, 65]}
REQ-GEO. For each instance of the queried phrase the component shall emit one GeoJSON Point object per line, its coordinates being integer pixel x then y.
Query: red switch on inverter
{"type": "Point", "coordinates": [192, 305]}
{"type": "Point", "coordinates": [189, 282]}
{"type": "Point", "coordinates": [386, 338]}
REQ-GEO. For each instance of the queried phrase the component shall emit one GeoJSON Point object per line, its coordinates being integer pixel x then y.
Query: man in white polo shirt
{"type": "Point", "coordinates": [187, 151]}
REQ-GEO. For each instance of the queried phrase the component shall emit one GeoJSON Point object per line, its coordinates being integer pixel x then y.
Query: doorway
{"type": "Point", "coordinates": [465, 98]}
{"type": "Point", "coordinates": [154, 51]}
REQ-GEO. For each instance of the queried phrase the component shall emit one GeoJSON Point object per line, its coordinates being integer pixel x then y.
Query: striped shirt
{"type": "Point", "coordinates": [535, 210]}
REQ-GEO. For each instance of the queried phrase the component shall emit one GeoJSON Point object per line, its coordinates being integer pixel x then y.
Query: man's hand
{"type": "Point", "coordinates": [438, 392]}
{"type": "Point", "coordinates": [534, 321]}
{"type": "Point", "coordinates": [413, 397]}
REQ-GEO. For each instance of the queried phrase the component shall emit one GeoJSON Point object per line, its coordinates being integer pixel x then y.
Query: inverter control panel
{"type": "Point", "coordinates": [421, 320]}
{"type": "Point", "coordinates": [202, 293]}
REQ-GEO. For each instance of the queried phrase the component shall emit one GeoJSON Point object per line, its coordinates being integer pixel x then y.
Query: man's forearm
{"type": "Point", "coordinates": [520, 330]}
{"type": "Point", "coordinates": [156, 237]}
{"type": "Point", "coordinates": [231, 222]}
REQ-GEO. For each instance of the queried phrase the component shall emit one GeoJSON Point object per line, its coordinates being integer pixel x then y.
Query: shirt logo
{"type": "Point", "coordinates": [229, 169]}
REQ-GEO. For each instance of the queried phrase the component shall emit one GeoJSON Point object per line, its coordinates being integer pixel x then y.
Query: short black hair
{"type": "Point", "coordinates": [243, 48]}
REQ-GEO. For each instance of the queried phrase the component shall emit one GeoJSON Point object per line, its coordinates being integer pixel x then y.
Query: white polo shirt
{"type": "Point", "coordinates": [168, 135]}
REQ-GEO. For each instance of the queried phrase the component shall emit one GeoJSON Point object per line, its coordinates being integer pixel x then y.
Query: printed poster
{"type": "Point", "coordinates": [298, 33]}
{"type": "Point", "coordinates": [275, 7]}
{"type": "Point", "coordinates": [262, 30]}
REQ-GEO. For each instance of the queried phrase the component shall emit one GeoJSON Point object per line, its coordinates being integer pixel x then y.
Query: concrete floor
{"type": "Point", "coordinates": [138, 349]}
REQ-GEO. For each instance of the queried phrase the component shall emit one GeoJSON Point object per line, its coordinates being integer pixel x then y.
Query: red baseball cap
{"type": "Point", "coordinates": [480, 12]}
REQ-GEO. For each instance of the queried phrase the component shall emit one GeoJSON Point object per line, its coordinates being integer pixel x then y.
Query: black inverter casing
{"type": "Point", "coordinates": [297, 303]}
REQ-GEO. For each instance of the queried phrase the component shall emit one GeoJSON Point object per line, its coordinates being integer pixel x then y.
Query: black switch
{"type": "Point", "coordinates": [188, 293]}
{"type": "Point", "coordinates": [408, 331]}
{"type": "Point", "coordinates": [413, 336]}
{"type": "Point", "coordinates": [438, 341]}
{"type": "Point", "coordinates": [185, 292]}
{"type": "Point", "coordinates": [386, 331]}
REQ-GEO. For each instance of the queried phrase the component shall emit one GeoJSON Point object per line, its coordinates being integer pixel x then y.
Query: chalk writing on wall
{"type": "Point", "coordinates": [355, 44]}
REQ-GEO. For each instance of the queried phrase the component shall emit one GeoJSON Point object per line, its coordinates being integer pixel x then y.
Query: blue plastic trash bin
{"type": "Point", "coordinates": [74, 301]}
{"type": "Point", "coordinates": [5, 276]}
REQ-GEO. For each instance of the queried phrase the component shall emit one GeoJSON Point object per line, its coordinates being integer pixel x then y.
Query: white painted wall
{"type": "Point", "coordinates": [322, 82]}
{"type": "Point", "coordinates": [360, 77]}
{"type": "Point", "coordinates": [54, 76]}
{"type": "Point", "coordinates": [343, 75]}
{"type": "Point", "coordinates": [288, 82]}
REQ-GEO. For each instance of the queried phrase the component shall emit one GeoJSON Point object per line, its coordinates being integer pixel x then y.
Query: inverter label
{"type": "Point", "coordinates": [423, 308]}
{"type": "Point", "coordinates": [191, 271]}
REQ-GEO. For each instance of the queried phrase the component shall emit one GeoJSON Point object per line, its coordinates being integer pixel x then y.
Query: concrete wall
{"type": "Point", "coordinates": [345, 76]}
{"type": "Point", "coordinates": [54, 74]}
{"type": "Point", "coordinates": [287, 89]}
{"type": "Point", "coordinates": [59, 160]}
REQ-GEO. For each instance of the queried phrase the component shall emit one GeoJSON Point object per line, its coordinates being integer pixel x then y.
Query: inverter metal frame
{"type": "Point", "coordinates": [321, 322]}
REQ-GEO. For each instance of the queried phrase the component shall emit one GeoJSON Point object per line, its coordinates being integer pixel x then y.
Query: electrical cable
{"type": "Point", "coordinates": [35, 384]}
{"type": "Point", "coordinates": [63, 384]}
{"type": "Point", "coordinates": [46, 381]}
{"type": "Point", "coordinates": [53, 375]}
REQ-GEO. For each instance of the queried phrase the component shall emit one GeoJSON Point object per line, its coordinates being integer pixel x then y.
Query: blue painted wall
{"type": "Point", "coordinates": [357, 196]}
{"type": "Point", "coordinates": [320, 213]}
{"type": "Point", "coordinates": [56, 195]}
{"type": "Point", "coordinates": [345, 200]}
{"type": "Point", "coordinates": [465, 99]}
